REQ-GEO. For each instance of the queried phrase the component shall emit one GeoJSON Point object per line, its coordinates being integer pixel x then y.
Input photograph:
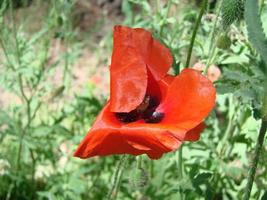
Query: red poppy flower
{"type": "Point", "coordinates": [149, 112]}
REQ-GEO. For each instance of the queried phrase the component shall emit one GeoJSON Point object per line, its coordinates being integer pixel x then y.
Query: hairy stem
{"type": "Point", "coordinates": [180, 162]}
{"type": "Point", "coordinates": [33, 173]}
{"type": "Point", "coordinates": [253, 167]}
{"type": "Point", "coordinates": [117, 177]}
{"type": "Point", "coordinates": [119, 181]}
{"type": "Point", "coordinates": [139, 162]}
{"type": "Point", "coordinates": [203, 8]}
{"type": "Point", "coordinates": [180, 168]}
{"type": "Point", "coordinates": [24, 97]}
{"type": "Point", "coordinates": [212, 46]}
{"type": "Point", "coordinates": [165, 17]}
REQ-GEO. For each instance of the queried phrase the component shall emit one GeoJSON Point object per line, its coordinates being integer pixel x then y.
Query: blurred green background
{"type": "Point", "coordinates": [54, 79]}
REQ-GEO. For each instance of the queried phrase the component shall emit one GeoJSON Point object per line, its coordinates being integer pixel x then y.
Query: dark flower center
{"type": "Point", "coordinates": [146, 111]}
{"type": "Point", "coordinates": [127, 117]}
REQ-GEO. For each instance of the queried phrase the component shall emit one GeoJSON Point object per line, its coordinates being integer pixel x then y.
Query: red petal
{"type": "Point", "coordinates": [194, 134]}
{"type": "Point", "coordinates": [164, 85]}
{"type": "Point", "coordinates": [134, 53]}
{"type": "Point", "coordinates": [159, 88]}
{"type": "Point", "coordinates": [109, 136]}
{"type": "Point", "coordinates": [128, 85]}
{"type": "Point", "coordinates": [168, 79]}
{"type": "Point", "coordinates": [189, 99]}
{"type": "Point", "coordinates": [159, 60]}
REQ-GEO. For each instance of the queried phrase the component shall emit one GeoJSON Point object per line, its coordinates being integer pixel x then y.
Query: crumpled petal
{"type": "Point", "coordinates": [109, 136]}
{"type": "Point", "coordinates": [195, 96]}
{"type": "Point", "coordinates": [135, 53]}
{"type": "Point", "coordinates": [186, 101]}
{"type": "Point", "coordinates": [189, 99]}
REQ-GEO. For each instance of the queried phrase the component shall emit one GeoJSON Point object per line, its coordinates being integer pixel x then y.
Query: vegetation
{"type": "Point", "coordinates": [54, 60]}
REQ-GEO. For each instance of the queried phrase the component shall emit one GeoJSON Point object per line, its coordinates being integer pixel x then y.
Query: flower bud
{"type": "Point", "coordinates": [139, 178]}
{"type": "Point", "coordinates": [232, 10]}
{"type": "Point", "coordinates": [223, 42]}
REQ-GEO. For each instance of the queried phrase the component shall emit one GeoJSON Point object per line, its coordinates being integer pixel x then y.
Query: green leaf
{"type": "Point", "coordinates": [254, 26]}
{"type": "Point", "coordinates": [185, 184]}
{"type": "Point", "coordinates": [264, 196]}
{"type": "Point", "coordinates": [201, 178]}
{"type": "Point", "coordinates": [126, 8]}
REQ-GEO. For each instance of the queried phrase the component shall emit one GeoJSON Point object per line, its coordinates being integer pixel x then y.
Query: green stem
{"type": "Point", "coordinates": [261, 6]}
{"type": "Point", "coordinates": [151, 168]}
{"type": "Point", "coordinates": [229, 129]}
{"type": "Point", "coordinates": [180, 162]}
{"type": "Point", "coordinates": [165, 17]}
{"type": "Point", "coordinates": [180, 168]}
{"type": "Point", "coordinates": [212, 46]}
{"type": "Point", "coordinates": [117, 187]}
{"type": "Point", "coordinates": [203, 8]}
{"type": "Point", "coordinates": [139, 162]}
{"type": "Point", "coordinates": [216, 179]}
{"type": "Point", "coordinates": [212, 36]}
{"type": "Point", "coordinates": [253, 167]}
{"type": "Point", "coordinates": [211, 58]}
{"type": "Point", "coordinates": [33, 173]}
{"type": "Point", "coordinates": [21, 86]}
{"type": "Point", "coordinates": [117, 177]}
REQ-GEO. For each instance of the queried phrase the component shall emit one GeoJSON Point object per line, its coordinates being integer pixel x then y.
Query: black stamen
{"type": "Point", "coordinates": [155, 117]}
{"type": "Point", "coordinates": [153, 103]}
{"type": "Point", "coordinates": [145, 111]}
{"type": "Point", "coordinates": [127, 117]}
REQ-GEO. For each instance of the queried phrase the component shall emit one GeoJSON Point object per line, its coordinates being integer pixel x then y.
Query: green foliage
{"type": "Point", "coordinates": [254, 26]}
{"type": "Point", "coordinates": [245, 83]}
{"type": "Point", "coordinates": [15, 3]}
{"type": "Point", "coordinates": [47, 113]}
{"type": "Point", "coordinates": [258, 38]}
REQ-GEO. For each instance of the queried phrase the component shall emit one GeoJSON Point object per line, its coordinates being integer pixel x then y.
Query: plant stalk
{"type": "Point", "coordinates": [203, 8]}
{"type": "Point", "coordinates": [117, 177]}
{"type": "Point", "coordinates": [139, 162]}
{"type": "Point", "coordinates": [180, 162]}
{"type": "Point", "coordinates": [169, 3]}
{"type": "Point", "coordinates": [212, 46]}
{"type": "Point", "coordinates": [253, 167]}
{"type": "Point", "coordinates": [261, 6]}
{"type": "Point", "coordinates": [180, 168]}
